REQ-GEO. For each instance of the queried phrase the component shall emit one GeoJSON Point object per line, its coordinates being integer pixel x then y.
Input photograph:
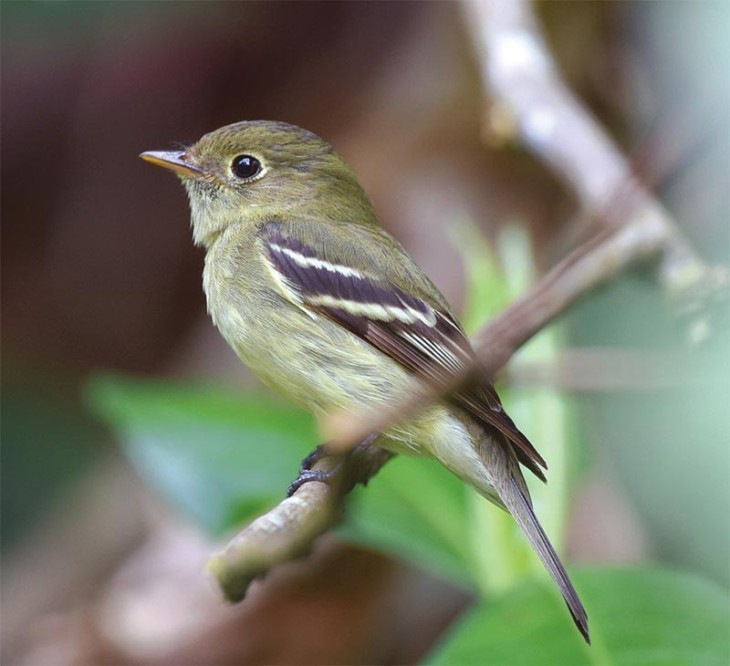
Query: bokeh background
{"type": "Point", "coordinates": [99, 273]}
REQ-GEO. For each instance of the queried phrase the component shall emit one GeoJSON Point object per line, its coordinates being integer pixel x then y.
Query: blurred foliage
{"type": "Point", "coordinates": [638, 616]}
{"type": "Point", "coordinates": [222, 457]}
{"type": "Point", "coordinates": [668, 445]}
{"type": "Point", "coordinates": [219, 456]}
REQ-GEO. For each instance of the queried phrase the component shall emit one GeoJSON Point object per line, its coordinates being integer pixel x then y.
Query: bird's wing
{"type": "Point", "coordinates": [347, 280]}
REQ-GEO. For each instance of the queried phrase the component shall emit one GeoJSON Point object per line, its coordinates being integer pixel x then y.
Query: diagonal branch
{"type": "Point", "coordinates": [597, 261]}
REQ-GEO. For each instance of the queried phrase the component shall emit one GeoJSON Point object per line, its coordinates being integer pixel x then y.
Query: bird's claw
{"type": "Point", "coordinates": [307, 475]}
{"type": "Point", "coordinates": [338, 474]}
{"type": "Point", "coordinates": [312, 458]}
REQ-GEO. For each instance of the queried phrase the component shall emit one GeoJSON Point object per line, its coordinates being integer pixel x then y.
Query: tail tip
{"type": "Point", "coordinates": [581, 622]}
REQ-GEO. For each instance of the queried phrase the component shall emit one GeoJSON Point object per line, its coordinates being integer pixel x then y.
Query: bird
{"type": "Point", "coordinates": [329, 310]}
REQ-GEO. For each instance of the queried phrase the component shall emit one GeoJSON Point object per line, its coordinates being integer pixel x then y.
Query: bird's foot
{"type": "Point", "coordinates": [307, 475]}
{"type": "Point", "coordinates": [312, 458]}
{"type": "Point", "coordinates": [341, 475]}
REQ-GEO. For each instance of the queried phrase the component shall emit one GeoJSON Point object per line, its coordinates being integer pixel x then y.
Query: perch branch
{"type": "Point", "coordinates": [538, 108]}
{"type": "Point", "coordinates": [289, 529]}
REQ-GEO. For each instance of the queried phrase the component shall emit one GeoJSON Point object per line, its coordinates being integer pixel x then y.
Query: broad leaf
{"type": "Point", "coordinates": [637, 616]}
{"type": "Point", "coordinates": [415, 510]}
{"type": "Point", "coordinates": [220, 456]}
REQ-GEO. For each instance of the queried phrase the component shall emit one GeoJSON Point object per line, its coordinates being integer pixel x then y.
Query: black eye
{"type": "Point", "coordinates": [245, 166]}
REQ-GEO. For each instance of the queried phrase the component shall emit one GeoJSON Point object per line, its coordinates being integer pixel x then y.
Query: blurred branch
{"type": "Point", "coordinates": [588, 369]}
{"type": "Point", "coordinates": [281, 535]}
{"type": "Point", "coordinates": [532, 103]}
{"type": "Point", "coordinates": [588, 266]}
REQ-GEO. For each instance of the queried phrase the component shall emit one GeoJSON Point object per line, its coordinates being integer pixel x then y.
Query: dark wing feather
{"type": "Point", "coordinates": [423, 339]}
{"type": "Point", "coordinates": [480, 406]}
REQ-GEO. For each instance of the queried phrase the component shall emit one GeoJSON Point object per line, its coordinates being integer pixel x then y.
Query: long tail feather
{"type": "Point", "coordinates": [520, 508]}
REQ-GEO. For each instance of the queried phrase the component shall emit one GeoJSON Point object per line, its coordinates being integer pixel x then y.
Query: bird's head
{"type": "Point", "coordinates": [256, 171]}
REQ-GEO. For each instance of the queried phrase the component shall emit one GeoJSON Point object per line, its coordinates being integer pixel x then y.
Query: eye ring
{"type": "Point", "coordinates": [245, 167]}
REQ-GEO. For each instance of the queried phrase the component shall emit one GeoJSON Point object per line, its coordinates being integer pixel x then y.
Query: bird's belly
{"type": "Point", "coordinates": [317, 364]}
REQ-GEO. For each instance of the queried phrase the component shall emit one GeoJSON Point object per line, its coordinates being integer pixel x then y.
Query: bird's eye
{"type": "Point", "coordinates": [245, 166]}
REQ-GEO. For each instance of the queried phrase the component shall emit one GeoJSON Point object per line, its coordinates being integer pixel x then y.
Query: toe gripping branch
{"type": "Point", "coordinates": [349, 469]}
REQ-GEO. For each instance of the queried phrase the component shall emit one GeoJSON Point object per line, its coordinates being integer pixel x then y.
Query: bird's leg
{"type": "Point", "coordinates": [313, 457]}
{"type": "Point", "coordinates": [365, 459]}
{"type": "Point", "coordinates": [307, 474]}
{"type": "Point", "coordinates": [346, 473]}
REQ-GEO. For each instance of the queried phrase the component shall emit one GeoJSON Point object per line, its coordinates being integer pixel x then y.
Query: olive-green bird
{"type": "Point", "coordinates": [328, 309]}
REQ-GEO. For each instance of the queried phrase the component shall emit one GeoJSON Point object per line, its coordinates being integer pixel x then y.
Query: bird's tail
{"type": "Point", "coordinates": [519, 506]}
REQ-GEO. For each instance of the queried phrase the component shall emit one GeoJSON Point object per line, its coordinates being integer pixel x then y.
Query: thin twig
{"type": "Point", "coordinates": [609, 369]}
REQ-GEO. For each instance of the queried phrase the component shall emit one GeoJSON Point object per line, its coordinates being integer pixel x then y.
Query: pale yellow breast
{"type": "Point", "coordinates": [301, 354]}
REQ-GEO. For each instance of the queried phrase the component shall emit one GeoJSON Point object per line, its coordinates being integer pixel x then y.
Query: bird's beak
{"type": "Point", "coordinates": [175, 160]}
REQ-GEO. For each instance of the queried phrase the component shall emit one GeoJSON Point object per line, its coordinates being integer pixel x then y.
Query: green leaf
{"type": "Point", "coordinates": [414, 509]}
{"type": "Point", "coordinates": [637, 616]}
{"type": "Point", "coordinates": [220, 456]}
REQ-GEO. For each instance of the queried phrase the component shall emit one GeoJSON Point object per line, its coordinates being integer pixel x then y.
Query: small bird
{"type": "Point", "coordinates": [327, 308]}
